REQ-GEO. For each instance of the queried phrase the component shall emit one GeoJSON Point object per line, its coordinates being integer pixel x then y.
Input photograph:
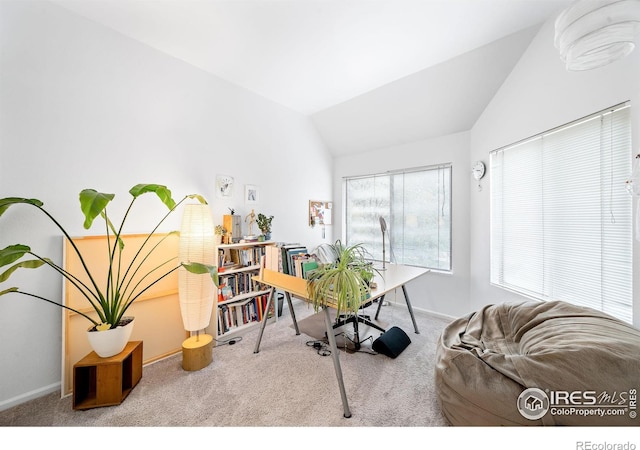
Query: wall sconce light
{"type": "Point", "coordinates": [196, 291]}
{"type": "Point", "coordinates": [594, 33]}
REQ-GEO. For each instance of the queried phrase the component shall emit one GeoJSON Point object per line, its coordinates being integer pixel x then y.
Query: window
{"type": "Point", "coordinates": [561, 219]}
{"type": "Point", "coordinates": [416, 206]}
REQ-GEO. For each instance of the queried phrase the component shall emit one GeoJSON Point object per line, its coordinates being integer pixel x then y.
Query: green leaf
{"type": "Point", "coordinates": [8, 291]}
{"type": "Point", "coordinates": [12, 253]}
{"type": "Point", "coordinates": [8, 201]}
{"type": "Point", "coordinates": [92, 204]}
{"type": "Point", "coordinates": [163, 193]}
{"type": "Point", "coordinates": [198, 197]}
{"type": "Point", "coordinates": [200, 269]}
{"type": "Point", "coordinates": [29, 264]}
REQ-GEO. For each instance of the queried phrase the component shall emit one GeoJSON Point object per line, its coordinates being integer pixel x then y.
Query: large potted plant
{"type": "Point", "coordinates": [343, 282]}
{"type": "Point", "coordinates": [110, 298]}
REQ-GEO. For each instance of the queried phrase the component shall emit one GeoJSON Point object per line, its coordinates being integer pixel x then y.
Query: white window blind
{"type": "Point", "coordinates": [416, 206]}
{"type": "Point", "coordinates": [561, 218]}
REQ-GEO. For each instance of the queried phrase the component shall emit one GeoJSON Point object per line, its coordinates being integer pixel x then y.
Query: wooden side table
{"type": "Point", "coordinates": [106, 381]}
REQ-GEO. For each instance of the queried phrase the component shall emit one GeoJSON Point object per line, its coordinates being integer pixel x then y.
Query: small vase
{"type": "Point", "coordinates": [110, 342]}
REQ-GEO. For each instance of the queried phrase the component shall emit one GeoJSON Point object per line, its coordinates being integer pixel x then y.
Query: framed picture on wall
{"type": "Point", "coordinates": [224, 186]}
{"type": "Point", "coordinates": [320, 213]}
{"type": "Point", "coordinates": [251, 194]}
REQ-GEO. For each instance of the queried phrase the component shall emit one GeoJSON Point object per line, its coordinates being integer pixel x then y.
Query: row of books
{"type": "Point", "coordinates": [291, 259]}
{"type": "Point", "coordinates": [240, 257]}
{"type": "Point", "coordinates": [234, 284]}
{"type": "Point", "coordinates": [239, 314]}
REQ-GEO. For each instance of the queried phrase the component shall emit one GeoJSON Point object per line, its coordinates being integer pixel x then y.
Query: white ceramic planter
{"type": "Point", "coordinates": [110, 342]}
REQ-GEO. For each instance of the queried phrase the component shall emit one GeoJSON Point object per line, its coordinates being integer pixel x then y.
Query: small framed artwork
{"type": "Point", "coordinates": [251, 194]}
{"type": "Point", "coordinates": [320, 213]}
{"type": "Point", "coordinates": [224, 186]}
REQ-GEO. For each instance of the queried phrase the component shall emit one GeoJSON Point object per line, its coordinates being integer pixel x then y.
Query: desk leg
{"type": "Point", "coordinates": [413, 319]}
{"type": "Point", "coordinates": [292, 312]}
{"type": "Point", "coordinates": [264, 320]}
{"type": "Point", "coordinates": [380, 302]}
{"type": "Point", "coordinates": [336, 362]}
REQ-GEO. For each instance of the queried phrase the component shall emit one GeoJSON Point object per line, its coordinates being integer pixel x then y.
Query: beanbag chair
{"type": "Point", "coordinates": [538, 363]}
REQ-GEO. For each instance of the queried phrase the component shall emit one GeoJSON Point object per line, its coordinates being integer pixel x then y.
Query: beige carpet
{"type": "Point", "coordinates": [286, 384]}
{"type": "Point", "coordinates": [314, 326]}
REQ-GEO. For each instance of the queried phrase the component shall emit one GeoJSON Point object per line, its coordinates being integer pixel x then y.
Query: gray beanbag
{"type": "Point", "coordinates": [583, 364]}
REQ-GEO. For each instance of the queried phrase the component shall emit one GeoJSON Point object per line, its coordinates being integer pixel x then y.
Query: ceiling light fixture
{"type": "Point", "coordinates": [594, 33]}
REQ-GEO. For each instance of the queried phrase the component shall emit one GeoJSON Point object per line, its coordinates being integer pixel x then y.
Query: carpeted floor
{"type": "Point", "coordinates": [287, 384]}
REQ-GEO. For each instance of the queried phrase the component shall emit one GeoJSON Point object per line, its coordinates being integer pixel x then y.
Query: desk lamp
{"type": "Point", "coordinates": [383, 227]}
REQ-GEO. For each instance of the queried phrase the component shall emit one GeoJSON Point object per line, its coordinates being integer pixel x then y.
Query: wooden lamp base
{"type": "Point", "coordinates": [197, 352]}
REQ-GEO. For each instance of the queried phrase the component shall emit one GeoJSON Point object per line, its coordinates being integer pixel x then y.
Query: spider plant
{"type": "Point", "coordinates": [124, 283]}
{"type": "Point", "coordinates": [344, 283]}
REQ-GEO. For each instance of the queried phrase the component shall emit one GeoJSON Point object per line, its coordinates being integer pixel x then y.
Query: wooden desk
{"type": "Point", "coordinates": [394, 276]}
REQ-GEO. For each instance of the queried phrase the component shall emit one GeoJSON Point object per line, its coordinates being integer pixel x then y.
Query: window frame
{"type": "Point", "coordinates": [620, 143]}
{"type": "Point", "coordinates": [446, 179]}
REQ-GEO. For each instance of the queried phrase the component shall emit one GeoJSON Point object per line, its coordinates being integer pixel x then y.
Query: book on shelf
{"type": "Point", "coordinates": [241, 299]}
{"type": "Point", "coordinates": [285, 250]}
{"type": "Point", "coordinates": [245, 312]}
{"type": "Point", "coordinates": [225, 318]}
{"type": "Point", "coordinates": [308, 267]}
{"type": "Point", "coordinates": [273, 258]}
{"type": "Point", "coordinates": [300, 259]}
{"type": "Point", "coordinates": [226, 293]}
{"type": "Point", "coordinates": [236, 283]}
{"type": "Point", "coordinates": [291, 268]}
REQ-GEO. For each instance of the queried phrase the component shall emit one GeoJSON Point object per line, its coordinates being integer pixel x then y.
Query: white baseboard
{"type": "Point", "coordinates": [423, 311]}
{"type": "Point", "coordinates": [15, 401]}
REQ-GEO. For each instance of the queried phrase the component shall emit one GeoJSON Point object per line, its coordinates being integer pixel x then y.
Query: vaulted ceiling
{"type": "Point", "coordinates": [369, 73]}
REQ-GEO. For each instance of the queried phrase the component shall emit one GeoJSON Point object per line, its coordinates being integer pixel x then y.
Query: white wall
{"type": "Point", "coordinates": [539, 95]}
{"type": "Point", "coordinates": [438, 292]}
{"type": "Point", "coordinates": [83, 106]}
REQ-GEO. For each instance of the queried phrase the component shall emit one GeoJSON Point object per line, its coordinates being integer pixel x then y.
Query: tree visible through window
{"type": "Point", "coordinates": [416, 207]}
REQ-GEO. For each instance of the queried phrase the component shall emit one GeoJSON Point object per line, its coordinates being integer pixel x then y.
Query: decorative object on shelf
{"type": "Point", "coordinates": [264, 224]}
{"type": "Point", "coordinates": [224, 186]}
{"type": "Point", "coordinates": [343, 282]}
{"type": "Point", "coordinates": [111, 298]}
{"type": "Point", "coordinates": [478, 172]}
{"type": "Point", "coordinates": [251, 194]}
{"type": "Point", "coordinates": [196, 291]}
{"type": "Point", "coordinates": [220, 233]}
{"type": "Point", "coordinates": [591, 34]}
{"type": "Point", "coordinates": [233, 224]}
{"type": "Point", "coordinates": [250, 219]}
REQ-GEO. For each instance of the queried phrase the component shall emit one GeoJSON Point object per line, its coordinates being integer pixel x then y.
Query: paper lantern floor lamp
{"type": "Point", "coordinates": [196, 292]}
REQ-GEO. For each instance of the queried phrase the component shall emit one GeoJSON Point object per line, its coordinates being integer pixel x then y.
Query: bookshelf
{"type": "Point", "coordinates": [240, 300]}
